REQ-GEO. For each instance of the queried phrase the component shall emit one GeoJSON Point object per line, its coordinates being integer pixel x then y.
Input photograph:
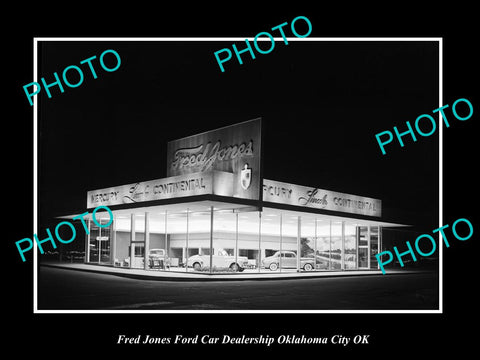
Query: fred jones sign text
{"type": "Point", "coordinates": [284, 193]}
{"type": "Point", "coordinates": [234, 149]}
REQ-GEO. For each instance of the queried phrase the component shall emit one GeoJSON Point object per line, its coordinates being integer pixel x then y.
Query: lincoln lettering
{"type": "Point", "coordinates": [311, 199]}
{"type": "Point", "coordinates": [205, 157]}
{"type": "Point", "coordinates": [135, 193]}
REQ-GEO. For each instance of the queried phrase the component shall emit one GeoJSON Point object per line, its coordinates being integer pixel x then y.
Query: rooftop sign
{"type": "Point", "coordinates": [234, 149]}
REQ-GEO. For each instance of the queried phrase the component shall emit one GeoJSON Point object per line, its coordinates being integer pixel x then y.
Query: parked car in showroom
{"type": "Point", "coordinates": [158, 259]}
{"type": "Point", "coordinates": [220, 260]}
{"type": "Point", "coordinates": [288, 260]}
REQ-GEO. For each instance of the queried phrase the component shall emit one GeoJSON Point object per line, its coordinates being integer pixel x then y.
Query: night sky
{"type": "Point", "coordinates": [322, 104]}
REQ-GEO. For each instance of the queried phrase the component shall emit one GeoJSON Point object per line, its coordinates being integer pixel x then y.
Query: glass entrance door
{"type": "Point", "coordinates": [374, 242]}
{"type": "Point", "coordinates": [363, 245]}
{"type": "Point", "coordinates": [99, 243]}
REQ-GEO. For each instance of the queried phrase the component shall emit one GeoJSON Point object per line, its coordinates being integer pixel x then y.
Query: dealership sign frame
{"type": "Point", "coordinates": [235, 149]}
{"type": "Point", "coordinates": [202, 183]}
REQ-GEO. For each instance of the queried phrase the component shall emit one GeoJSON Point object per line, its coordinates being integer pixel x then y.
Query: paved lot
{"type": "Point", "coordinates": [67, 289]}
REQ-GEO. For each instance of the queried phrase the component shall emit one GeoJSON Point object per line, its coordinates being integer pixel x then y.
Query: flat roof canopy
{"type": "Point", "coordinates": [234, 207]}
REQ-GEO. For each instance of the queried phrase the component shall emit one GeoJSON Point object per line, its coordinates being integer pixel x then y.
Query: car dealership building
{"type": "Point", "coordinates": [215, 213]}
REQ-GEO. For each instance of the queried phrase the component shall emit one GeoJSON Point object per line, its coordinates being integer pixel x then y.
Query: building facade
{"type": "Point", "coordinates": [215, 213]}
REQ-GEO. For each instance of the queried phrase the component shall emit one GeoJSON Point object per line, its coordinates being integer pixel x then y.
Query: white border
{"type": "Point", "coordinates": [137, 39]}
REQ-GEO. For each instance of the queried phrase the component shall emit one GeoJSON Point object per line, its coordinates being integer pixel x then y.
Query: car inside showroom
{"type": "Point", "coordinates": [216, 213]}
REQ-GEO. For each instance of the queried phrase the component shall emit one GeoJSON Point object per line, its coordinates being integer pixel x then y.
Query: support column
{"type": "Point", "coordinates": [368, 242]}
{"type": "Point", "coordinates": [99, 243]}
{"type": "Point", "coordinates": [299, 233]}
{"type": "Point", "coordinates": [211, 238]}
{"type": "Point", "coordinates": [315, 248]}
{"type": "Point", "coordinates": [132, 239]}
{"type": "Point", "coordinates": [343, 245]}
{"type": "Point", "coordinates": [330, 247]}
{"type": "Point", "coordinates": [113, 247]}
{"type": "Point", "coordinates": [281, 239]}
{"type": "Point", "coordinates": [186, 245]}
{"type": "Point", "coordinates": [166, 236]}
{"type": "Point", "coordinates": [147, 241]}
{"type": "Point", "coordinates": [87, 245]}
{"type": "Point", "coordinates": [259, 265]}
{"type": "Point", "coordinates": [357, 244]}
{"type": "Point", "coordinates": [236, 238]}
{"type": "Point", "coordinates": [379, 244]}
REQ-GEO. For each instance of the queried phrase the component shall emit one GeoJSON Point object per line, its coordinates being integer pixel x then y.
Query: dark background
{"type": "Point", "coordinates": [322, 107]}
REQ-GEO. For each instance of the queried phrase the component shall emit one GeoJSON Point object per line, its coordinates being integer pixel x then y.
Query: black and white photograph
{"type": "Point", "coordinates": [266, 184]}
{"type": "Point", "coordinates": [274, 185]}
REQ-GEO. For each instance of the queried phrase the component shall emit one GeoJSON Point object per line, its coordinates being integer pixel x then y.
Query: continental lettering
{"type": "Point", "coordinates": [180, 186]}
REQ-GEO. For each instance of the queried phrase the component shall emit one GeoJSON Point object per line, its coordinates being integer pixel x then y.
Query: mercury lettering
{"type": "Point", "coordinates": [278, 191]}
{"type": "Point", "coordinates": [104, 197]}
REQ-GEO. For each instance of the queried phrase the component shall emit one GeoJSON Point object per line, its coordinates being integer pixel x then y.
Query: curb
{"type": "Point", "coordinates": [231, 277]}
